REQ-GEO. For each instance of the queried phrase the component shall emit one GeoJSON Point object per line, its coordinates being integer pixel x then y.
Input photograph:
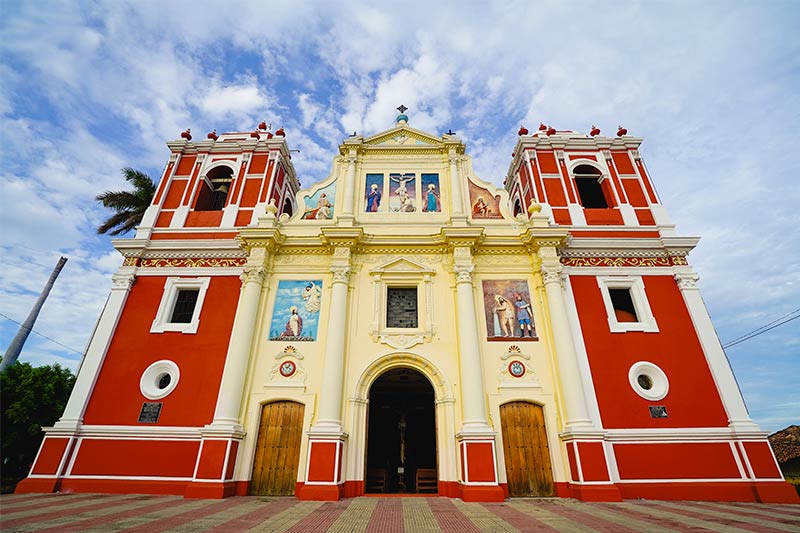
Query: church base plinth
{"type": "Point", "coordinates": [353, 489]}
{"type": "Point", "coordinates": [482, 493]}
{"type": "Point", "coordinates": [36, 485]}
{"type": "Point", "coordinates": [735, 491]}
{"type": "Point", "coordinates": [210, 491]}
{"type": "Point", "coordinates": [595, 493]}
{"type": "Point", "coordinates": [324, 493]}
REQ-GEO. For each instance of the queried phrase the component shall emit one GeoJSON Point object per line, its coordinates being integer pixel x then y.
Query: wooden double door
{"type": "Point", "coordinates": [280, 433]}
{"type": "Point", "coordinates": [525, 449]}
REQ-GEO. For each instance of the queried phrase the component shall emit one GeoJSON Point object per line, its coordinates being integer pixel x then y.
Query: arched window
{"type": "Point", "coordinates": [592, 193]}
{"type": "Point", "coordinates": [287, 207]}
{"type": "Point", "coordinates": [215, 188]}
{"type": "Point", "coordinates": [517, 207]}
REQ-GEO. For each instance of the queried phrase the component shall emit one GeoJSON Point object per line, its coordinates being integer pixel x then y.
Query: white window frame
{"type": "Point", "coordinates": [162, 322]}
{"type": "Point", "coordinates": [657, 376]}
{"type": "Point", "coordinates": [412, 275]}
{"type": "Point", "coordinates": [646, 320]}
{"type": "Point", "coordinates": [148, 383]}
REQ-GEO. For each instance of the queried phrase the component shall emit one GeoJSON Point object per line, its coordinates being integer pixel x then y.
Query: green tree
{"type": "Point", "coordinates": [32, 398]}
{"type": "Point", "coordinates": [128, 206]}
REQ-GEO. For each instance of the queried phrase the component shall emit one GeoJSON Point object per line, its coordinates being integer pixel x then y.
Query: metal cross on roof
{"type": "Point", "coordinates": [402, 108]}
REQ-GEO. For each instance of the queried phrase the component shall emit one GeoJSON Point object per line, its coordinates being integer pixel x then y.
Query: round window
{"type": "Point", "coordinates": [644, 381]}
{"type": "Point", "coordinates": [159, 380]}
{"type": "Point", "coordinates": [648, 380]}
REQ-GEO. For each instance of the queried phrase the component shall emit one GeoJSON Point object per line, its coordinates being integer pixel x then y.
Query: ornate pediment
{"type": "Point", "coordinates": [402, 265]}
{"type": "Point", "coordinates": [403, 136]}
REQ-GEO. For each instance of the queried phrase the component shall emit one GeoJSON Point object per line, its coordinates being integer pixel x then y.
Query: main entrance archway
{"type": "Point", "coordinates": [401, 436]}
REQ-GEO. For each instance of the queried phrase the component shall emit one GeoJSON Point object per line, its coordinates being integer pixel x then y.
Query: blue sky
{"type": "Point", "coordinates": [713, 87]}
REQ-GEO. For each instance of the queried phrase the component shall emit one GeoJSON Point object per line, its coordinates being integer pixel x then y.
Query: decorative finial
{"type": "Point", "coordinates": [621, 132]}
{"type": "Point", "coordinates": [542, 126]}
{"type": "Point", "coordinates": [264, 126]}
{"type": "Point", "coordinates": [187, 134]}
{"type": "Point", "coordinates": [522, 131]}
{"type": "Point", "coordinates": [355, 134]}
{"type": "Point", "coordinates": [551, 131]}
{"type": "Point", "coordinates": [255, 135]}
{"type": "Point", "coordinates": [279, 132]}
{"type": "Point", "coordinates": [402, 109]}
{"type": "Point", "coordinates": [213, 135]}
{"type": "Point", "coordinates": [450, 131]}
{"type": "Point", "coordinates": [595, 131]}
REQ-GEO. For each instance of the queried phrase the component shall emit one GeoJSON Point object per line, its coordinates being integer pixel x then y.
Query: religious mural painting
{"type": "Point", "coordinates": [484, 204]}
{"type": "Point", "coordinates": [319, 206]}
{"type": "Point", "coordinates": [374, 192]}
{"type": "Point", "coordinates": [296, 313]}
{"type": "Point", "coordinates": [431, 199]}
{"type": "Point", "coordinates": [403, 192]}
{"type": "Point", "coordinates": [508, 310]}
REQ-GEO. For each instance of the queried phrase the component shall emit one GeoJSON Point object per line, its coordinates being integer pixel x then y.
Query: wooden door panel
{"type": "Point", "coordinates": [525, 449]}
{"type": "Point", "coordinates": [280, 432]}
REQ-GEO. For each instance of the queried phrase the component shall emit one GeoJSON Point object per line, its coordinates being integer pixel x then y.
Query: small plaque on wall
{"type": "Point", "coordinates": [150, 412]}
{"type": "Point", "coordinates": [658, 411]}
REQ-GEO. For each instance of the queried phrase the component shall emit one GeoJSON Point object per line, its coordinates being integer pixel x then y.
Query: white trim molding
{"type": "Point", "coordinates": [173, 285]}
{"type": "Point", "coordinates": [645, 320]}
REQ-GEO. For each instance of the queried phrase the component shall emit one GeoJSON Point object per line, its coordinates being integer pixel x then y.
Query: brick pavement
{"type": "Point", "coordinates": [151, 514]}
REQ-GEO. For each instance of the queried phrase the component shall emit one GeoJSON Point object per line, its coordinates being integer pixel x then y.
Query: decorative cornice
{"type": "Point", "coordinates": [625, 261]}
{"type": "Point", "coordinates": [190, 262]}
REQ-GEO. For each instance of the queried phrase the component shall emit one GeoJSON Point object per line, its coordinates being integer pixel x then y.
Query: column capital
{"type": "Point", "coordinates": [463, 272]}
{"type": "Point", "coordinates": [687, 280]}
{"type": "Point", "coordinates": [253, 274]}
{"type": "Point", "coordinates": [553, 273]}
{"type": "Point", "coordinates": [341, 273]}
{"type": "Point", "coordinates": [122, 281]}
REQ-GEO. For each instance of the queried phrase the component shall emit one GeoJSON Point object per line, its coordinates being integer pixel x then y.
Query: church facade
{"type": "Point", "coordinates": [404, 326]}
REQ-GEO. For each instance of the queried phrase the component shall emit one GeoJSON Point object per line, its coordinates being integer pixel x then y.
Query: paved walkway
{"type": "Point", "coordinates": [152, 514]}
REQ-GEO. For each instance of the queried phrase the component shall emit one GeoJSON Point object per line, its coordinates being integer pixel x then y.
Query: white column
{"type": "Point", "coordinates": [330, 410]}
{"type": "Point", "coordinates": [348, 192]}
{"type": "Point", "coordinates": [455, 184]}
{"type": "Point", "coordinates": [568, 366]}
{"type": "Point", "coordinates": [229, 401]}
{"type": "Point", "coordinates": [472, 390]}
{"type": "Point", "coordinates": [728, 388]}
{"type": "Point", "coordinates": [96, 352]}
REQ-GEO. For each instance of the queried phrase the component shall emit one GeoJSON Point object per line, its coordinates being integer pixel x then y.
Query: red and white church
{"type": "Point", "coordinates": [403, 326]}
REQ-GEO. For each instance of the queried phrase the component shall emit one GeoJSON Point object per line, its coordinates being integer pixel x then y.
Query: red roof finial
{"type": "Point", "coordinates": [542, 126]}
{"type": "Point", "coordinates": [263, 125]}
{"type": "Point", "coordinates": [551, 130]}
{"type": "Point", "coordinates": [621, 132]}
{"type": "Point", "coordinates": [280, 133]}
{"type": "Point", "coordinates": [595, 131]}
{"type": "Point", "coordinates": [213, 135]}
{"type": "Point", "coordinates": [187, 134]}
{"type": "Point", "coordinates": [255, 135]}
{"type": "Point", "coordinates": [522, 131]}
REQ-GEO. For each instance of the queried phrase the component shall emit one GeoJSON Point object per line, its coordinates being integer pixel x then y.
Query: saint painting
{"type": "Point", "coordinates": [374, 192]}
{"type": "Point", "coordinates": [319, 206]}
{"type": "Point", "coordinates": [431, 201]}
{"type": "Point", "coordinates": [296, 313]}
{"type": "Point", "coordinates": [508, 310]}
{"type": "Point", "coordinates": [403, 191]}
{"type": "Point", "coordinates": [483, 203]}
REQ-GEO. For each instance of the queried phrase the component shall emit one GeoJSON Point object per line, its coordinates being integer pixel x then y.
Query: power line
{"type": "Point", "coordinates": [42, 335]}
{"type": "Point", "coordinates": [759, 331]}
{"type": "Point", "coordinates": [730, 343]}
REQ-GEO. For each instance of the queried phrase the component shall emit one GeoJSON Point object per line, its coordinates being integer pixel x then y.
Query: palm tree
{"type": "Point", "coordinates": [129, 206]}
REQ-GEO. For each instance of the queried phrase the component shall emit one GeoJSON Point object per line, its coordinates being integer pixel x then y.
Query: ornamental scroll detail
{"type": "Point", "coordinates": [623, 261]}
{"type": "Point", "coordinates": [192, 263]}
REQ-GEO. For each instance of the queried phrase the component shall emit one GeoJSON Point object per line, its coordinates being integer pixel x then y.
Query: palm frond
{"type": "Point", "coordinates": [129, 206]}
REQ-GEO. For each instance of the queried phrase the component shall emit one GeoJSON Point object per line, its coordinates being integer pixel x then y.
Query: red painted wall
{"type": "Point", "coordinates": [136, 458]}
{"type": "Point", "coordinates": [677, 460]}
{"type": "Point", "coordinates": [116, 398]}
{"type": "Point", "coordinates": [692, 400]}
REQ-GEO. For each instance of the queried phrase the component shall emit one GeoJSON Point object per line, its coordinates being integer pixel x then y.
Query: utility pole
{"type": "Point", "coordinates": [15, 348]}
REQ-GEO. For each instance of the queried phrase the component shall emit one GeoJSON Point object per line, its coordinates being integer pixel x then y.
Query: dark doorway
{"type": "Point", "coordinates": [401, 440]}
